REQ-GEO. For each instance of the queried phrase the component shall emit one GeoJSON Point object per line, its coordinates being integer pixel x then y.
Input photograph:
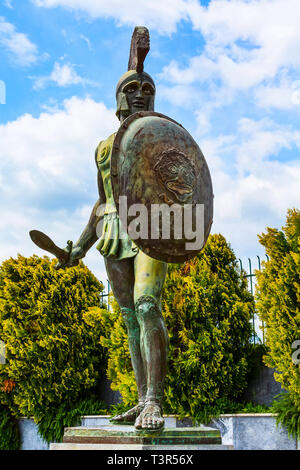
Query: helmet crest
{"type": "Point", "coordinates": [139, 48]}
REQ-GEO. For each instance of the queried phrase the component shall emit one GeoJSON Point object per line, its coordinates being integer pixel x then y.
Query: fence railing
{"type": "Point", "coordinates": [104, 295]}
{"type": "Point", "coordinates": [258, 326]}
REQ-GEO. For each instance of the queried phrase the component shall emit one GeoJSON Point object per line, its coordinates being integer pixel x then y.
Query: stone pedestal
{"type": "Point", "coordinates": [117, 437]}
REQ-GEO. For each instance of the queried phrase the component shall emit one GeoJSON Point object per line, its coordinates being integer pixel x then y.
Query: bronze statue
{"type": "Point", "coordinates": [136, 279]}
{"type": "Point", "coordinates": [136, 269]}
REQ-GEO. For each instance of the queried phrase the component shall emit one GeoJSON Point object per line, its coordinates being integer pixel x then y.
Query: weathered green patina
{"type": "Point", "coordinates": [113, 241]}
{"type": "Point", "coordinates": [157, 165]}
{"type": "Point", "coordinates": [129, 435]}
{"type": "Point", "coordinates": [136, 278]}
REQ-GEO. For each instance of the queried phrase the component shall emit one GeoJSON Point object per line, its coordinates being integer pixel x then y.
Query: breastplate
{"type": "Point", "coordinates": [103, 157]}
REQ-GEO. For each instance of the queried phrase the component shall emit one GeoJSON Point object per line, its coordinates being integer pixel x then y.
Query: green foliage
{"type": "Point", "coordinates": [288, 414]}
{"type": "Point", "coordinates": [255, 359]}
{"type": "Point", "coordinates": [9, 432]}
{"type": "Point", "coordinates": [118, 409]}
{"type": "Point", "coordinates": [51, 426]}
{"type": "Point", "coordinates": [278, 303]}
{"type": "Point", "coordinates": [207, 309]}
{"type": "Point", "coordinates": [51, 325]}
{"type": "Point", "coordinates": [206, 412]}
{"type": "Point", "coordinates": [115, 340]}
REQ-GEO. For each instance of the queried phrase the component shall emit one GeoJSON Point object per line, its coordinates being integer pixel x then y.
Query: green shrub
{"type": "Point", "coordinates": [288, 413]}
{"type": "Point", "coordinates": [206, 412]}
{"type": "Point", "coordinates": [51, 328]}
{"type": "Point", "coordinates": [207, 309]}
{"type": "Point", "coordinates": [278, 303]}
{"type": "Point", "coordinates": [255, 359]}
{"type": "Point", "coordinates": [9, 432]}
{"type": "Point", "coordinates": [51, 426]}
{"type": "Point", "coordinates": [119, 370]}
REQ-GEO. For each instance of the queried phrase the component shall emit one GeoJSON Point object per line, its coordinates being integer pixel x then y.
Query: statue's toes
{"type": "Point", "coordinates": [148, 422]}
{"type": "Point", "coordinates": [138, 422]}
{"type": "Point", "coordinates": [152, 422]}
{"type": "Point", "coordinates": [157, 422]}
{"type": "Point", "coordinates": [160, 423]}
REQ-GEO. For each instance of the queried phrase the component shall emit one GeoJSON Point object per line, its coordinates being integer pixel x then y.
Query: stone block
{"type": "Point", "coordinates": [122, 434]}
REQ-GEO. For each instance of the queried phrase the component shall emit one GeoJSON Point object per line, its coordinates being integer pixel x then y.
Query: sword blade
{"type": "Point", "coordinates": [45, 243]}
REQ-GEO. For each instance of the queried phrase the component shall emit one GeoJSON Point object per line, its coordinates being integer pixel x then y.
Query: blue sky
{"type": "Point", "coordinates": [228, 71]}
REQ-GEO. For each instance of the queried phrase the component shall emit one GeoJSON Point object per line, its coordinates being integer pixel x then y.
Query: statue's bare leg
{"type": "Point", "coordinates": [149, 279]}
{"type": "Point", "coordinates": [121, 277]}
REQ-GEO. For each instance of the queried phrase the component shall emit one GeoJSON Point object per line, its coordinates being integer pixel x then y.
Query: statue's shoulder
{"type": "Point", "coordinates": [104, 147]}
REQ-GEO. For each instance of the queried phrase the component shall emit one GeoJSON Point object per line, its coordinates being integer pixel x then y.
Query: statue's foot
{"type": "Point", "coordinates": [150, 417]}
{"type": "Point", "coordinates": [129, 416]}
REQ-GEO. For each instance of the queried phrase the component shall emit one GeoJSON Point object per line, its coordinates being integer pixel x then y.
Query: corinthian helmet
{"type": "Point", "coordinates": [140, 46]}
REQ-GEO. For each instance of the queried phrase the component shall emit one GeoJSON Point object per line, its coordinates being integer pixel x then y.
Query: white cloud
{"type": "Point", "coordinates": [200, 69]}
{"type": "Point", "coordinates": [247, 43]}
{"type": "Point", "coordinates": [87, 41]}
{"type": "Point", "coordinates": [8, 3]}
{"type": "Point", "coordinates": [250, 45]}
{"type": "Point", "coordinates": [246, 205]}
{"type": "Point", "coordinates": [250, 41]}
{"type": "Point", "coordinates": [62, 75]}
{"type": "Point", "coordinates": [249, 63]}
{"type": "Point", "coordinates": [48, 175]}
{"type": "Point", "coordinates": [56, 148]}
{"type": "Point", "coordinates": [184, 96]}
{"type": "Point", "coordinates": [284, 95]}
{"type": "Point", "coordinates": [161, 15]}
{"type": "Point", "coordinates": [260, 140]}
{"type": "Point", "coordinates": [20, 48]}
{"type": "Point", "coordinates": [262, 187]}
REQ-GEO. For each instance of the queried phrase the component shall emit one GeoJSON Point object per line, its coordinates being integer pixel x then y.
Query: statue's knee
{"type": "Point", "coordinates": [130, 320]}
{"type": "Point", "coordinates": [147, 308]}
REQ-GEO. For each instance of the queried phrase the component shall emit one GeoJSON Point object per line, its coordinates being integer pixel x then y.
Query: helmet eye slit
{"type": "Point", "coordinates": [148, 90]}
{"type": "Point", "coordinates": [131, 88]}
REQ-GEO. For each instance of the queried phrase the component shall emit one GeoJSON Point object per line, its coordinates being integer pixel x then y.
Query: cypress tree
{"type": "Point", "coordinates": [278, 302]}
{"type": "Point", "coordinates": [51, 325]}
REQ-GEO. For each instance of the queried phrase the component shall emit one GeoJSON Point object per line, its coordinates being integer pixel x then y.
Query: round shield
{"type": "Point", "coordinates": [162, 187]}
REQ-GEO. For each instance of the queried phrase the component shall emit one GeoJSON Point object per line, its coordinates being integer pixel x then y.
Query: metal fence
{"type": "Point", "coordinates": [257, 326]}
{"type": "Point", "coordinates": [104, 296]}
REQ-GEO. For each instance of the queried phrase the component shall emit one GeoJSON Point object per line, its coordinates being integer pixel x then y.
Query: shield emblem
{"type": "Point", "coordinates": [162, 187]}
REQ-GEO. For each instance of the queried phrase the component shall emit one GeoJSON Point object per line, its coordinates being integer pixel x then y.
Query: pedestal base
{"type": "Point", "coordinates": [120, 447]}
{"type": "Point", "coordinates": [120, 437]}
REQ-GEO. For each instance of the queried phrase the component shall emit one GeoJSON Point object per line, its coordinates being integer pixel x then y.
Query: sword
{"type": "Point", "coordinates": [45, 243]}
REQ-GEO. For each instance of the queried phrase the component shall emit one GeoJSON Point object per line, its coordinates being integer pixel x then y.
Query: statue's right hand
{"type": "Point", "coordinates": [75, 254]}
